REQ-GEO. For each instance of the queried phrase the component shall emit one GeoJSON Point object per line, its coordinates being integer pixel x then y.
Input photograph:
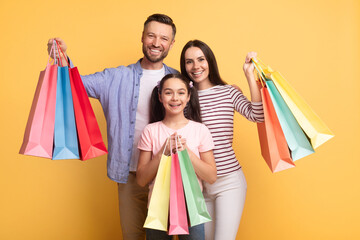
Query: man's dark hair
{"type": "Point", "coordinates": [161, 18]}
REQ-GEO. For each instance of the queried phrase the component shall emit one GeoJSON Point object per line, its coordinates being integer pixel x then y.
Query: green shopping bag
{"type": "Point", "coordinates": [195, 201]}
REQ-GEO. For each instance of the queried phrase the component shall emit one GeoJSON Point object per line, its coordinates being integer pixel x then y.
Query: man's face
{"type": "Point", "coordinates": [157, 40]}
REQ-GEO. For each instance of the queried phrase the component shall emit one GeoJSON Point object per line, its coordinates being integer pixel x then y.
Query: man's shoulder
{"type": "Point", "coordinates": [170, 69]}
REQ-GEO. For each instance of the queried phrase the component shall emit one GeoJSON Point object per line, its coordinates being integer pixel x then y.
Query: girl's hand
{"type": "Point", "coordinates": [248, 67]}
{"type": "Point", "coordinates": [177, 141]}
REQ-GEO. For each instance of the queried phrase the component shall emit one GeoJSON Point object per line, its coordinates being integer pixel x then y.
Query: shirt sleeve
{"type": "Point", "coordinates": [206, 141]}
{"type": "Point", "coordinates": [145, 142]}
{"type": "Point", "coordinates": [95, 84]}
{"type": "Point", "coordinates": [253, 111]}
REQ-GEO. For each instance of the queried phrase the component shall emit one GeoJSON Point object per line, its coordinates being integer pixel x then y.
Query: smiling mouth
{"type": "Point", "coordinates": [177, 105]}
{"type": "Point", "coordinates": [197, 73]}
{"type": "Point", "coordinates": [155, 51]}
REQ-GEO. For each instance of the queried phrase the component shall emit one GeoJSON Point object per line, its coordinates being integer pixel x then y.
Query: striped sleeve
{"type": "Point", "coordinates": [253, 111]}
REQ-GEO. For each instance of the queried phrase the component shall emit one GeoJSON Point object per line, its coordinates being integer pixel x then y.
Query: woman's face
{"type": "Point", "coordinates": [196, 65]}
{"type": "Point", "coordinates": [174, 96]}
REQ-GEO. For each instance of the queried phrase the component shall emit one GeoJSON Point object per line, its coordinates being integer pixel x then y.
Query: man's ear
{"type": "Point", "coordinates": [172, 43]}
{"type": "Point", "coordinates": [142, 37]}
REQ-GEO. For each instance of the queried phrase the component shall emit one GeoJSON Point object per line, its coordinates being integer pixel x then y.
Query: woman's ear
{"type": "Point", "coordinates": [159, 97]}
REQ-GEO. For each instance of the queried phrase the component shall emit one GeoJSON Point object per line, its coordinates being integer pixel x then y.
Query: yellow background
{"type": "Point", "coordinates": [313, 43]}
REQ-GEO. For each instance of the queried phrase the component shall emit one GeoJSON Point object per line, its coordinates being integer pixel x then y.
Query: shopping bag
{"type": "Point", "coordinates": [309, 121]}
{"type": "Point", "coordinates": [158, 210]}
{"type": "Point", "coordinates": [177, 216]}
{"type": "Point", "coordinates": [195, 201]}
{"type": "Point", "coordinates": [295, 137]}
{"type": "Point", "coordinates": [90, 140]}
{"type": "Point", "coordinates": [65, 134]}
{"type": "Point", "coordinates": [273, 144]}
{"type": "Point", "coordinates": [39, 131]}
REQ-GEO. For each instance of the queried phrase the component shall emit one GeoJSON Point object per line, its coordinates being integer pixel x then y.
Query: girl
{"type": "Point", "coordinates": [226, 197]}
{"type": "Point", "coordinates": [167, 118]}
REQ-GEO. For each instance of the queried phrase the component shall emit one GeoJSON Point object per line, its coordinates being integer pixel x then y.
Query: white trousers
{"type": "Point", "coordinates": [225, 201]}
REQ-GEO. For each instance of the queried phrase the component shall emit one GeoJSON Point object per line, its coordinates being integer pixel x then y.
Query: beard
{"type": "Point", "coordinates": [154, 59]}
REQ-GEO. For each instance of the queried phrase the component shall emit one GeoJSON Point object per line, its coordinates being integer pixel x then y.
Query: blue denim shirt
{"type": "Point", "coordinates": [118, 90]}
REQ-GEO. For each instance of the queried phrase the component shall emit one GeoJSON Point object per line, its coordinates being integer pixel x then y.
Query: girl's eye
{"type": "Point", "coordinates": [188, 62]}
{"type": "Point", "coordinates": [201, 59]}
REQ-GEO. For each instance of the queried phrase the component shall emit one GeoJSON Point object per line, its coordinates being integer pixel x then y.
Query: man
{"type": "Point", "coordinates": [124, 93]}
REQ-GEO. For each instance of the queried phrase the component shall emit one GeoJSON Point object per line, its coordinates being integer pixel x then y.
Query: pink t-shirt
{"type": "Point", "coordinates": [197, 135]}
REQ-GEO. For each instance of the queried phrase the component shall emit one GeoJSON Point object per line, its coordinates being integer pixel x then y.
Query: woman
{"type": "Point", "coordinates": [226, 197]}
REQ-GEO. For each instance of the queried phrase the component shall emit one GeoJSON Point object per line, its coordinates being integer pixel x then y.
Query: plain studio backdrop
{"type": "Point", "coordinates": [313, 43]}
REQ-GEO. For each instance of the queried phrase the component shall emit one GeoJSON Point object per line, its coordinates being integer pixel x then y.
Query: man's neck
{"type": "Point", "coordinates": [146, 64]}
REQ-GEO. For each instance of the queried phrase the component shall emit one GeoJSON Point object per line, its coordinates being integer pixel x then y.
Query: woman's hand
{"type": "Point", "coordinates": [248, 66]}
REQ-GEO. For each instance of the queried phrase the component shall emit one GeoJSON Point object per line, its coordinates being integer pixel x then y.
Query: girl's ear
{"type": "Point", "coordinates": [159, 97]}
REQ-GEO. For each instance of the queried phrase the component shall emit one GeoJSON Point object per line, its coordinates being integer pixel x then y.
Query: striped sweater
{"type": "Point", "coordinates": [217, 111]}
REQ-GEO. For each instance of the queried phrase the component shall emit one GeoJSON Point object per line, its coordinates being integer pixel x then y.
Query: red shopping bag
{"type": "Point", "coordinates": [274, 147]}
{"type": "Point", "coordinates": [39, 132]}
{"type": "Point", "coordinates": [89, 135]}
{"type": "Point", "coordinates": [178, 215]}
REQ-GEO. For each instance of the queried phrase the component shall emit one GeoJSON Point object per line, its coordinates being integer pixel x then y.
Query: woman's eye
{"type": "Point", "coordinates": [188, 62]}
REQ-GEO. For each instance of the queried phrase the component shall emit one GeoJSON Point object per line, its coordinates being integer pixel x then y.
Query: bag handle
{"type": "Point", "coordinates": [60, 50]}
{"type": "Point", "coordinates": [167, 141]}
{"type": "Point", "coordinates": [52, 51]}
{"type": "Point", "coordinates": [259, 71]}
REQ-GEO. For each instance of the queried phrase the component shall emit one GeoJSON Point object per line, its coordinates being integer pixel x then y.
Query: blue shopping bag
{"type": "Point", "coordinates": [296, 139]}
{"type": "Point", "coordinates": [65, 134]}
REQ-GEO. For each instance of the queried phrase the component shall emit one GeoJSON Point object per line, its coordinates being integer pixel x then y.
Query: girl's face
{"type": "Point", "coordinates": [197, 66]}
{"type": "Point", "coordinates": [174, 96]}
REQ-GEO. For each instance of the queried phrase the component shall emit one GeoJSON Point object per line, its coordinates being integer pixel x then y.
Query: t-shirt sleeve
{"type": "Point", "coordinates": [206, 141]}
{"type": "Point", "coordinates": [145, 142]}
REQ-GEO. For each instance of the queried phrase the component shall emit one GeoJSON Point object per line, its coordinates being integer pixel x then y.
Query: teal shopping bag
{"type": "Point", "coordinates": [65, 134]}
{"type": "Point", "coordinates": [195, 201]}
{"type": "Point", "coordinates": [296, 139]}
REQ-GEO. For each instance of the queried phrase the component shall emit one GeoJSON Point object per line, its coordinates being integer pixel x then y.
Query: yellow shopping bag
{"type": "Point", "coordinates": [158, 211]}
{"type": "Point", "coordinates": [313, 126]}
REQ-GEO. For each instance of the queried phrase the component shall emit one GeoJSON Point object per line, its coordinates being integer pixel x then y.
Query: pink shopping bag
{"type": "Point", "coordinates": [178, 215]}
{"type": "Point", "coordinates": [39, 132]}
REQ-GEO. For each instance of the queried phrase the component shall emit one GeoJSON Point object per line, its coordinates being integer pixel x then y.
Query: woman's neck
{"type": "Point", "coordinates": [175, 121]}
{"type": "Point", "coordinates": [204, 85]}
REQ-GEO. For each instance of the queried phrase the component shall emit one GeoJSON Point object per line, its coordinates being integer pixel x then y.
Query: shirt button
{"type": "Point", "coordinates": [136, 96]}
{"type": "Point", "coordinates": [132, 122]}
{"type": "Point", "coordinates": [137, 84]}
{"type": "Point", "coordinates": [129, 149]}
{"type": "Point", "coordinates": [130, 136]}
{"type": "Point", "coordinates": [133, 109]}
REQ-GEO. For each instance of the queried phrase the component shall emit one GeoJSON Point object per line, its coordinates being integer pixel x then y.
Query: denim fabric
{"type": "Point", "coordinates": [195, 233]}
{"type": "Point", "coordinates": [117, 89]}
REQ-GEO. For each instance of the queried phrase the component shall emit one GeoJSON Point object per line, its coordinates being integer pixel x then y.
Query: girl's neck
{"type": "Point", "coordinates": [175, 122]}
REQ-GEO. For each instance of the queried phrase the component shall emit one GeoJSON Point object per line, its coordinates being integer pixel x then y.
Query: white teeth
{"type": "Point", "coordinates": [197, 73]}
{"type": "Point", "coordinates": [156, 51]}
